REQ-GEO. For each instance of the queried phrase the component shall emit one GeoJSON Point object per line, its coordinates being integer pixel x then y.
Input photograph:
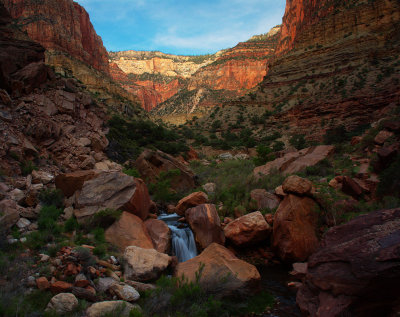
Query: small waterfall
{"type": "Point", "coordinates": [183, 244]}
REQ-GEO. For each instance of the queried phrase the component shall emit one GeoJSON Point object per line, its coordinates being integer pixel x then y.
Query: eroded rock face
{"type": "Point", "coordinates": [264, 199]}
{"type": "Point", "coordinates": [294, 230]}
{"type": "Point", "coordinates": [192, 200]}
{"type": "Point", "coordinates": [72, 32]}
{"type": "Point", "coordinates": [221, 272]}
{"type": "Point", "coordinates": [151, 163]}
{"type": "Point", "coordinates": [205, 223]}
{"type": "Point", "coordinates": [160, 234]}
{"type": "Point", "coordinates": [248, 229]}
{"type": "Point", "coordinates": [144, 264]}
{"type": "Point", "coordinates": [129, 230]}
{"type": "Point", "coordinates": [69, 183]}
{"type": "Point", "coordinates": [355, 270]}
{"type": "Point", "coordinates": [294, 162]}
{"type": "Point", "coordinates": [113, 190]}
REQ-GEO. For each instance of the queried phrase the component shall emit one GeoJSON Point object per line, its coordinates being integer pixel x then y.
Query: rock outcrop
{"type": "Point", "coordinates": [294, 162]}
{"type": "Point", "coordinates": [205, 224]}
{"type": "Point", "coordinates": [144, 264]}
{"type": "Point", "coordinates": [113, 190]}
{"type": "Point", "coordinates": [192, 200]}
{"type": "Point", "coordinates": [294, 231]}
{"type": "Point", "coordinates": [221, 273]}
{"type": "Point", "coordinates": [355, 271]}
{"type": "Point", "coordinates": [248, 229]}
{"type": "Point", "coordinates": [151, 163]}
{"type": "Point", "coordinates": [129, 230]}
{"type": "Point", "coordinates": [61, 26]}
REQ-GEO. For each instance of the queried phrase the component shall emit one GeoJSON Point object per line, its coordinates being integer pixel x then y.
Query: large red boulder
{"type": "Point", "coordinates": [248, 229]}
{"type": "Point", "coordinates": [294, 230]}
{"type": "Point", "coordinates": [194, 199]}
{"type": "Point", "coordinates": [160, 234]}
{"type": "Point", "coordinates": [69, 183]}
{"type": "Point", "coordinates": [129, 230]}
{"type": "Point", "coordinates": [220, 272]}
{"type": "Point", "coordinates": [205, 223]}
{"type": "Point", "coordinates": [355, 272]}
{"type": "Point", "coordinates": [113, 190]}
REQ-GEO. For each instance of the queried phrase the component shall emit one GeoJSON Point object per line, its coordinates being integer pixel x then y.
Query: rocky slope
{"type": "Point", "coordinates": [72, 45]}
{"type": "Point", "coordinates": [334, 66]}
{"type": "Point", "coordinates": [232, 74]}
{"type": "Point", "coordinates": [61, 26]}
{"type": "Point", "coordinates": [229, 73]}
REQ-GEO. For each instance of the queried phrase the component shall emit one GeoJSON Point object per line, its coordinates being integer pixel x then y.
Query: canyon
{"type": "Point", "coordinates": [194, 81]}
{"type": "Point", "coordinates": [287, 154]}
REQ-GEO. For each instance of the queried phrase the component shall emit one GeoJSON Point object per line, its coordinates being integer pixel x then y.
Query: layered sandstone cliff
{"type": "Point", "coordinates": [61, 26]}
{"type": "Point", "coordinates": [334, 65]}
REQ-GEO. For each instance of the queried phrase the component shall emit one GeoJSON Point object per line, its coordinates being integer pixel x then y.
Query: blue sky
{"type": "Point", "coordinates": [181, 26]}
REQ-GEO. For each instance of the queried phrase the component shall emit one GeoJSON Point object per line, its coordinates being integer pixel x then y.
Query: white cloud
{"type": "Point", "coordinates": [182, 24]}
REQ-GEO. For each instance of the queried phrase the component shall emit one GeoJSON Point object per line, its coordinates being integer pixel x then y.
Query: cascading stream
{"type": "Point", "coordinates": [183, 244]}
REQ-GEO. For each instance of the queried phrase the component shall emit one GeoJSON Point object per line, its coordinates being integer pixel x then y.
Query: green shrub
{"type": "Point", "coordinates": [161, 190]}
{"type": "Point", "coordinates": [323, 168]}
{"type": "Point", "coordinates": [27, 167]}
{"type": "Point", "coordinates": [71, 225]}
{"type": "Point", "coordinates": [100, 250]}
{"type": "Point", "coordinates": [336, 135]}
{"type": "Point", "coordinates": [51, 197]}
{"type": "Point", "coordinates": [104, 218]}
{"type": "Point", "coordinates": [264, 155]}
{"type": "Point", "coordinates": [47, 220]}
{"type": "Point", "coordinates": [131, 172]}
{"type": "Point", "coordinates": [298, 141]}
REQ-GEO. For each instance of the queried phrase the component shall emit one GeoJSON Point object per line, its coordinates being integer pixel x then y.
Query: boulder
{"type": "Point", "coordinates": [62, 303]}
{"type": "Point", "coordinates": [9, 214]}
{"type": "Point", "coordinates": [111, 308]}
{"type": "Point", "coordinates": [351, 187]}
{"type": "Point", "coordinates": [194, 199]}
{"type": "Point", "coordinates": [125, 292]}
{"type": "Point", "coordinates": [151, 163]}
{"type": "Point", "coordinates": [32, 76]}
{"type": "Point", "coordinates": [160, 234]}
{"type": "Point", "coordinates": [69, 183]}
{"type": "Point", "coordinates": [42, 283]}
{"type": "Point", "coordinates": [104, 283]}
{"type": "Point", "coordinates": [264, 199]}
{"type": "Point", "coordinates": [144, 264]}
{"type": "Point", "coordinates": [113, 190]}
{"type": "Point", "coordinates": [221, 273]}
{"type": "Point", "coordinates": [206, 226]}
{"type": "Point", "coordinates": [382, 136]}
{"type": "Point", "coordinates": [355, 272]}
{"type": "Point", "coordinates": [210, 188]}
{"type": "Point", "coordinates": [248, 229]}
{"type": "Point", "coordinates": [60, 287]}
{"type": "Point", "coordinates": [294, 230]}
{"type": "Point", "coordinates": [129, 230]}
{"type": "Point", "coordinates": [297, 185]}
{"type": "Point", "coordinates": [294, 162]}
{"type": "Point", "coordinates": [41, 177]}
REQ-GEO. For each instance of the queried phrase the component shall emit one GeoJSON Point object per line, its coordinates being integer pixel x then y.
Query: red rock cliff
{"type": "Point", "coordinates": [61, 25]}
{"type": "Point", "coordinates": [240, 68]}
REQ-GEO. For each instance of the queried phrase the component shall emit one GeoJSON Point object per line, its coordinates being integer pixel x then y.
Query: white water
{"type": "Point", "coordinates": [183, 244]}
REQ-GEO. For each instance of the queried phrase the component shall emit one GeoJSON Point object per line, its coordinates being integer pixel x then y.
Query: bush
{"type": "Point", "coordinates": [298, 141]}
{"type": "Point", "coordinates": [264, 155]}
{"type": "Point", "coordinates": [47, 220]}
{"type": "Point", "coordinates": [71, 225]}
{"type": "Point", "coordinates": [336, 135]}
{"type": "Point", "coordinates": [51, 197]}
{"type": "Point", "coordinates": [27, 167]}
{"type": "Point", "coordinates": [131, 172]}
{"type": "Point", "coordinates": [104, 218]}
{"type": "Point", "coordinates": [161, 190]}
